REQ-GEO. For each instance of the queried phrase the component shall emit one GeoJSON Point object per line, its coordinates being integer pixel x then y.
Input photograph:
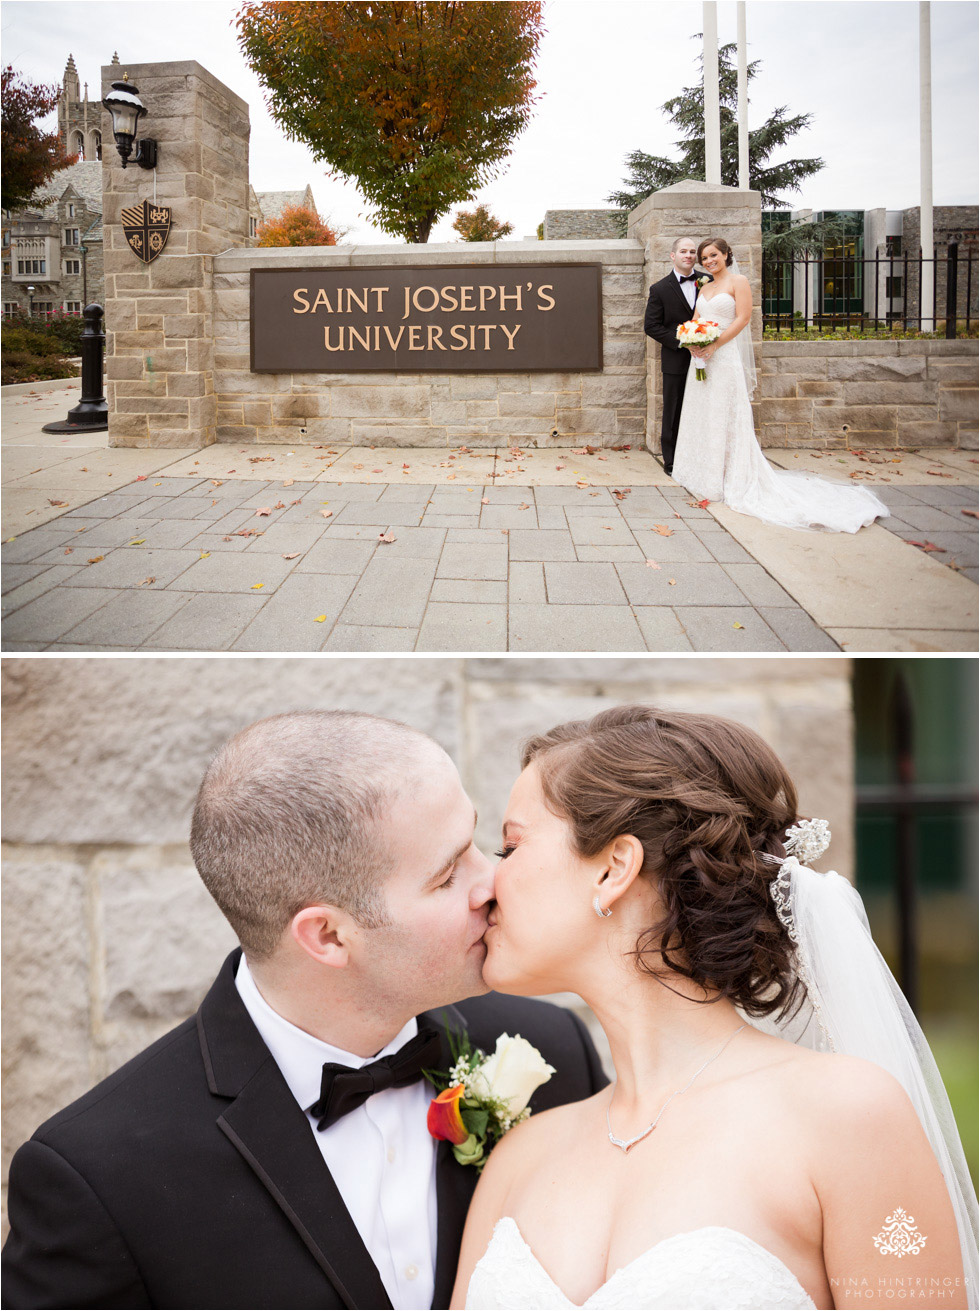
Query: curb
{"type": "Point", "coordinates": [46, 384]}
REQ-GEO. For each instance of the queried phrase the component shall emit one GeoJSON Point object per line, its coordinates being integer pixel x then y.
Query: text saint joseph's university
{"type": "Point", "coordinates": [484, 318]}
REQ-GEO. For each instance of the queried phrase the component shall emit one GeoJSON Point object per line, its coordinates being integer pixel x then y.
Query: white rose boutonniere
{"type": "Point", "coordinates": [703, 280]}
{"type": "Point", "coordinates": [482, 1097]}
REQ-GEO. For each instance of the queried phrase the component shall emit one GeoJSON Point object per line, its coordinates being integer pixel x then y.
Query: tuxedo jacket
{"type": "Point", "coordinates": [191, 1177]}
{"type": "Point", "coordinates": [667, 308]}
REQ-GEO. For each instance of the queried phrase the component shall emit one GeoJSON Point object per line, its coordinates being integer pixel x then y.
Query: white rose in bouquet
{"type": "Point", "coordinates": [512, 1073]}
{"type": "Point", "coordinates": [698, 333]}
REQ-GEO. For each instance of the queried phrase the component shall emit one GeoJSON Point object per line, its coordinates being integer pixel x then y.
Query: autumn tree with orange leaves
{"type": "Point", "coordinates": [297, 225]}
{"type": "Point", "coordinates": [480, 225]}
{"type": "Point", "coordinates": [418, 104]}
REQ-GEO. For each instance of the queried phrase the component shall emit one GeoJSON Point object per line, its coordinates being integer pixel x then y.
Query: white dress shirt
{"type": "Point", "coordinates": [381, 1155]}
{"type": "Point", "coordinates": [690, 289]}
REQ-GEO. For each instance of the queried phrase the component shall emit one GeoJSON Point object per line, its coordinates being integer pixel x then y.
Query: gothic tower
{"type": "Point", "coordinates": [79, 119]}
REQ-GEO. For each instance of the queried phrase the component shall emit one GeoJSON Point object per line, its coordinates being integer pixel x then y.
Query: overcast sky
{"type": "Point", "coordinates": [604, 68]}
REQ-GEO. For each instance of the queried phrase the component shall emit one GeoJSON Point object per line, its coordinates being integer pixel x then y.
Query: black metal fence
{"type": "Point", "coordinates": [874, 295]}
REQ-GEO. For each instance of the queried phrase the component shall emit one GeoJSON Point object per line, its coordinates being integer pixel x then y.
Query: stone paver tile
{"type": "Point", "coordinates": [662, 629]}
{"type": "Point", "coordinates": [724, 548]}
{"type": "Point", "coordinates": [310, 510]}
{"type": "Point", "coordinates": [575, 583]}
{"type": "Point", "coordinates": [958, 546]}
{"type": "Point", "coordinates": [54, 613]}
{"type": "Point", "coordinates": [238, 490]}
{"type": "Point", "coordinates": [574, 628]}
{"type": "Point", "coordinates": [290, 620]}
{"type": "Point", "coordinates": [541, 544]}
{"type": "Point", "coordinates": [552, 516]}
{"type": "Point", "coordinates": [348, 637]}
{"type": "Point", "coordinates": [15, 575]}
{"type": "Point", "coordinates": [486, 562]}
{"type": "Point", "coordinates": [573, 496]}
{"type": "Point", "coordinates": [758, 586]}
{"type": "Point", "coordinates": [627, 553]}
{"type": "Point", "coordinates": [128, 566]}
{"type": "Point", "coordinates": [693, 584]}
{"type": "Point", "coordinates": [510, 516]}
{"type": "Point", "coordinates": [469, 590]}
{"type": "Point", "coordinates": [458, 626]}
{"type": "Point", "coordinates": [712, 628]}
{"type": "Point", "coordinates": [606, 530]}
{"type": "Point", "coordinates": [103, 535]}
{"type": "Point", "coordinates": [109, 506]}
{"type": "Point", "coordinates": [797, 630]}
{"type": "Point", "coordinates": [32, 646]}
{"type": "Point", "coordinates": [363, 532]}
{"type": "Point", "coordinates": [188, 507]}
{"type": "Point", "coordinates": [941, 495]}
{"type": "Point", "coordinates": [364, 492]}
{"type": "Point", "coordinates": [456, 500]}
{"type": "Point", "coordinates": [209, 541]}
{"type": "Point", "coordinates": [509, 495]}
{"type": "Point", "coordinates": [436, 520]}
{"type": "Point", "coordinates": [392, 589]}
{"type": "Point", "coordinates": [169, 486]}
{"type": "Point", "coordinates": [469, 536]}
{"type": "Point", "coordinates": [168, 534]}
{"type": "Point", "coordinates": [48, 577]}
{"type": "Point", "coordinates": [226, 572]}
{"type": "Point", "coordinates": [287, 537]}
{"type": "Point", "coordinates": [904, 639]}
{"type": "Point", "coordinates": [928, 519]}
{"type": "Point", "coordinates": [526, 583]}
{"type": "Point", "coordinates": [208, 622]}
{"type": "Point", "coordinates": [336, 555]}
{"type": "Point", "coordinates": [406, 492]}
{"type": "Point", "coordinates": [680, 546]}
{"type": "Point", "coordinates": [32, 545]}
{"type": "Point", "coordinates": [128, 620]}
{"type": "Point", "coordinates": [419, 543]}
{"type": "Point", "coordinates": [396, 514]}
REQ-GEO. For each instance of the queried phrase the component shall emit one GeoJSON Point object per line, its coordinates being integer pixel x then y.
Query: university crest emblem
{"type": "Point", "coordinates": [147, 227]}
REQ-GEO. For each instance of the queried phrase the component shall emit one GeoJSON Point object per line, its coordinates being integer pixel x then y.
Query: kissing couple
{"type": "Point", "coordinates": [776, 1128]}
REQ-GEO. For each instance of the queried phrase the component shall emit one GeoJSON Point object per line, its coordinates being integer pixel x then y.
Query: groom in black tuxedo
{"type": "Point", "coordinates": [671, 303]}
{"type": "Point", "coordinates": [272, 1151]}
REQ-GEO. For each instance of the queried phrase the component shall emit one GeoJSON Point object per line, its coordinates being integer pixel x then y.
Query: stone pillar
{"type": "Point", "coordinates": [698, 210]}
{"type": "Point", "coordinates": [160, 340]}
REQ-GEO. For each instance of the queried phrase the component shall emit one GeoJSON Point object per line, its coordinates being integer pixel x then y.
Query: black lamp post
{"type": "Point", "coordinates": [30, 301]}
{"type": "Point", "coordinates": [124, 104]}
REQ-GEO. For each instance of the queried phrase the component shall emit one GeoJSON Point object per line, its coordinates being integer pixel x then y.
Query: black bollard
{"type": "Point", "coordinates": [91, 414]}
{"type": "Point", "coordinates": [952, 251]}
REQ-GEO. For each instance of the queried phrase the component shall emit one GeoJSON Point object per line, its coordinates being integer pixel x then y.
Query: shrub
{"type": "Point", "coordinates": [23, 366]}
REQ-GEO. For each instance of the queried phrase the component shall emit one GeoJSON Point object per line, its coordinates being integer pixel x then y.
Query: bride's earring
{"type": "Point", "coordinates": [603, 914]}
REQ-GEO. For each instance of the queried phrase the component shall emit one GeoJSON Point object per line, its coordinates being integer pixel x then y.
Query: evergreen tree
{"type": "Point", "coordinates": [650, 173]}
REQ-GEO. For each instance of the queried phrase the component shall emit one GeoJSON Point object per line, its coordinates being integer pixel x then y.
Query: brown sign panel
{"type": "Point", "coordinates": [147, 227]}
{"type": "Point", "coordinates": [489, 318]}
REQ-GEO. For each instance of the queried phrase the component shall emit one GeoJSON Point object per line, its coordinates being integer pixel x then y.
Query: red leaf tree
{"type": "Point", "coordinates": [480, 225]}
{"type": "Point", "coordinates": [297, 226]}
{"type": "Point", "coordinates": [30, 157]}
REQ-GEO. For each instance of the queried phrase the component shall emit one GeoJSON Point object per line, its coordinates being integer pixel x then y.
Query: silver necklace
{"type": "Point", "coordinates": [625, 1145]}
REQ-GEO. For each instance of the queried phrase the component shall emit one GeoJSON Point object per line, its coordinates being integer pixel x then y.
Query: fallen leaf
{"type": "Point", "coordinates": [246, 532]}
{"type": "Point", "coordinates": [96, 558]}
{"type": "Point", "coordinates": [226, 539]}
{"type": "Point", "coordinates": [663, 530]}
{"type": "Point", "coordinates": [84, 469]}
{"type": "Point", "coordinates": [204, 555]}
{"type": "Point", "coordinates": [68, 550]}
{"type": "Point", "coordinates": [299, 502]}
{"type": "Point", "coordinates": [292, 555]}
{"type": "Point", "coordinates": [258, 459]}
{"type": "Point", "coordinates": [736, 624]}
{"type": "Point", "coordinates": [257, 586]}
{"type": "Point", "coordinates": [50, 502]}
{"type": "Point", "coordinates": [217, 482]}
{"type": "Point", "coordinates": [137, 541]}
{"type": "Point", "coordinates": [141, 478]}
{"type": "Point", "coordinates": [604, 457]}
{"type": "Point", "coordinates": [702, 505]}
{"type": "Point", "coordinates": [450, 477]}
{"type": "Point", "coordinates": [289, 482]}
{"type": "Point", "coordinates": [581, 482]}
{"type": "Point", "coordinates": [652, 564]}
{"type": "Point", "coordinates": [559, 467]}
{"type": "Point", "coordinates": [523, 506]}
{"type": "Point", "coordinates": [320, 619]}
{"type": "Point", "coordinates": [386, 537]}
{"type": "Point", "coordinates": [159, 484]}
{"type": "Point", "coordinates": [626, 446]}
{"type": "Point", "coordinates": [973, 514]}
{"type": "Point", "coordinates": [938, 473]}
{"type": "Point", "coordinates": [927, 546]}
{"type": "Point", "coordinates": [327, 514]}
{"type": "Point", "coordinates": [621, 493]}
{"type": "Point", "coordinates": [377, 470]}
{"type": "Point", "coordinates": [485, 500]}
{"type": "Point", "coordinates": [671, 582]}
{"type": "Point", "coordinates": [146, 581]}
{"type": "Point", "coordinates": [266, 509]}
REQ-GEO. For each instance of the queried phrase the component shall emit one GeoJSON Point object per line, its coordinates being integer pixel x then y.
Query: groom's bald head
{"type": "Point", "coordinates": [290, 813]}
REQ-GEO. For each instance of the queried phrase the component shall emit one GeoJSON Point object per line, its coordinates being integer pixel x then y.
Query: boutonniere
{"type": "Point", "coordinates": [482, 1096]}
{"type": "Point", "coordinates": [703, 280]}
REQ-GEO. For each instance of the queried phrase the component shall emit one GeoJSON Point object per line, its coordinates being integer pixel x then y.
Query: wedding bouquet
{"type": "Point", "coordinates": [484, 1096]}
{"type": "Point", "coordinates": [699, 332]}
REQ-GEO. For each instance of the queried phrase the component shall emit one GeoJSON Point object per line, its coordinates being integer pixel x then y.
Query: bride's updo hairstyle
{"type": "Point", "coordinates": [706, 798]}
{"type": "Point", "coordinates": [719, 244]}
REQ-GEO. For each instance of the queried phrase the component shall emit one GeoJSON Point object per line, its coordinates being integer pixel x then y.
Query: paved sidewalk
{"type": "Point", "coordinates": [266, 549]}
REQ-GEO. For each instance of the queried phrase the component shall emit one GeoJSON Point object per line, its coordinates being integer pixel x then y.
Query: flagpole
{"type": "Point", "coordinates": [743, 102]}
{"type": "Point", "coordinates": [712, 111]}
{"type": "Point", "coordinates": [927, 276]}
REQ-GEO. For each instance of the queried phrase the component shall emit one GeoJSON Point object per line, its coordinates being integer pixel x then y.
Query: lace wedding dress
{"type": "Point", "coordinates": [706, 1268]}
{"type": "Point", "coordinates": [718, 457]}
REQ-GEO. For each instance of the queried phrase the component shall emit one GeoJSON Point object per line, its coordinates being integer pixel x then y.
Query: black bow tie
{"type": "Point", "coordinates": [689, 277]}
{"type": "Point", "coordinates": [343, 1090]}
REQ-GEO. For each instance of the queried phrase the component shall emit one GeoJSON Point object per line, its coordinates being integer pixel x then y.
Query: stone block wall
{"type": "Point", "coordinates": [159, 349]}
{"type": "Point", "coordinates": [856, 394]}
{"type": "Point", "coordinates": [698, 210]}
{"type": "Point", "coordinates": [436, 409]}
{"type": "Point", "coordinates": [584, 224]}
{"type": "Point", "coordinates": [109, 938]}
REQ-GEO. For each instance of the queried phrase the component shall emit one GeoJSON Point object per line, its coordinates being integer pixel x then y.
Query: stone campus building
{"type": "Point", "coordinates": [56, 248]}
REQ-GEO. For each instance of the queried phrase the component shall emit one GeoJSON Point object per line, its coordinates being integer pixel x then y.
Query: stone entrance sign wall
{"type": "Point", "coordinates": [566, 407]}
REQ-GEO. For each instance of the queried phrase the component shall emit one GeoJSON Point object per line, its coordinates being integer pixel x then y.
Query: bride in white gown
{"type": "Point", "coordinates": [745, 1155]}
{"type": "Point", "coordinates": [718, 457]}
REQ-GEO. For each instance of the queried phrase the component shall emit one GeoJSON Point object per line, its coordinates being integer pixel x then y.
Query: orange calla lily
{"type": "Point", "coordinates": [445, 1119]}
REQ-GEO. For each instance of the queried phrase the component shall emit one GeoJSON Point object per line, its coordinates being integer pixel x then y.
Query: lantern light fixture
{"type": "Point", "coordinates": [124, 104]}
